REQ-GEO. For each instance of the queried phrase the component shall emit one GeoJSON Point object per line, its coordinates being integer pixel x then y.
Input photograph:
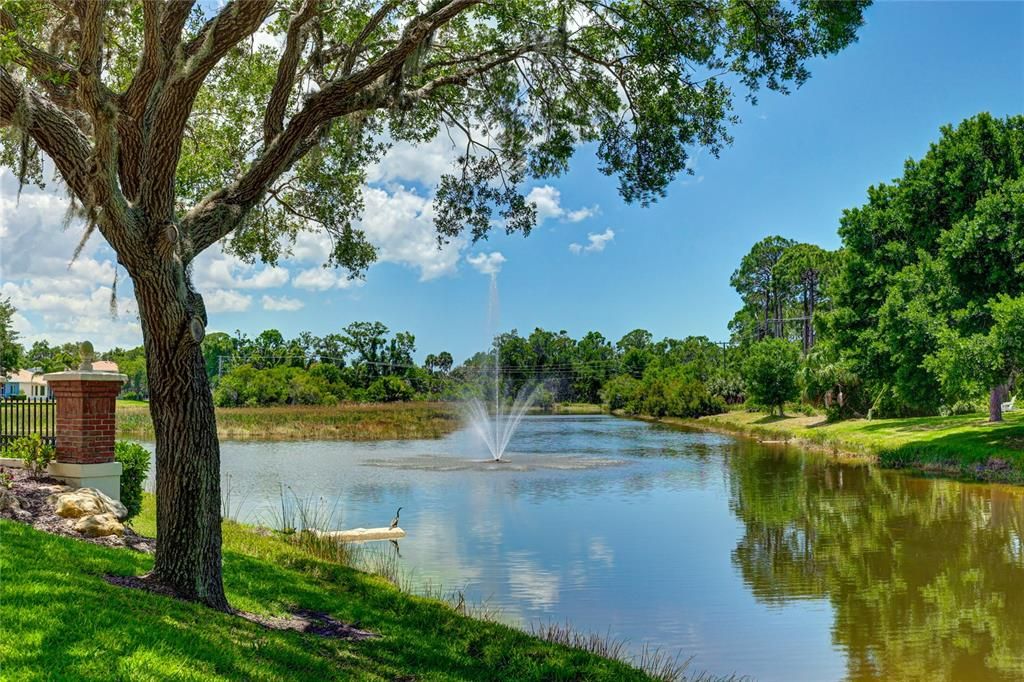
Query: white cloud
{"type": "Point", "coordinates": [282, 303]}
{"type": "Point", "coordinates": [226, 301]}
{"type": "Point", "coordinates": [423, 163]}
{"type": "Point", "coordinates": [487, 263]}
{"type": "Point", "coordinates": [596, 242]}
{"type": "Point", "coordinates": [548, 201]}
{"type": "Point", "coordinates": [581, 214]}
{"type": "Point", "coordinates": [311, 247]}
{"type": "Point", "coordinates": [216, 269]}
{"type": "Point", "coordinates": [400, 223]}
{"type": "Point", "coordinates": [322, 279]}
{"type": "Point", "coordinates": [56, 301]}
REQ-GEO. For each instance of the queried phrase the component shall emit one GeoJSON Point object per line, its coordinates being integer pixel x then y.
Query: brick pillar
{"type": "Point", "coordinates": [86, 401]}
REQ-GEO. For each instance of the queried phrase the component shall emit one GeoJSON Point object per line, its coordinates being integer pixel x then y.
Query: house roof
{"type": "Point", "coordinates": [104, 366]}
{"type": "Point", "coordinates": [25, 376]}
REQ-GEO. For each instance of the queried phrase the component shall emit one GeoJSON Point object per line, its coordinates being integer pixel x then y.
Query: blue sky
{"type": "Point", "coordinates": [796, 163]}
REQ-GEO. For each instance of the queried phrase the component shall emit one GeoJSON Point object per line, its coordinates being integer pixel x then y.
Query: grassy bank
{"type": "Point", "coordinates": [964, 446]}
{"type": "Point", "coordinates": [390, 421]}
{"type": "Point", "coordinates": [62, 620]}
{"type": "Point", "coordinates": [569, 408]}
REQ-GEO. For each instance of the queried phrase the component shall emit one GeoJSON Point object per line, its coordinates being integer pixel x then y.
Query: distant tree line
{"type": "Point", "coordinates": [366, 362]}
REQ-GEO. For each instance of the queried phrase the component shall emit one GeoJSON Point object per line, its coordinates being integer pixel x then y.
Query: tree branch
{"type": "Point", "coordinates": [58, 78]}
{"type": "Point", "coordinates": [273, 119]}
{"type": "Point", "coordinates": [221, 212]}
{"type": "Point", "coordinates": [464, 76]}
{"type": "Point", "coordinates": [368, 29]}
{"type": "Point", "coordinates": [163, 23]}
{"type": "Point", "coordinates": [174, 101]}
{"type": "Point", "coordinates": [61, 139]}
{"type": "Point", "coordinates": [105, 192]}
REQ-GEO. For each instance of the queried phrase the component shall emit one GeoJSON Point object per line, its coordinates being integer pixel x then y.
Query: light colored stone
{"type": "Point", "coordinates": [8, 501]}
{"type": "Point", "coordinates": [99, 525]}
{"type": "Point", "coordinates": [86, 502]}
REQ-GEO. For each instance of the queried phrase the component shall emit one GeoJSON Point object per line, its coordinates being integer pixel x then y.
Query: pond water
{"type": "Point", "coordinates": [760, 560]}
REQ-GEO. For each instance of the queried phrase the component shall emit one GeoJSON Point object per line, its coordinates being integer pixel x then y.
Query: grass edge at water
{"type": "Point", "coordinates": [965, 447]}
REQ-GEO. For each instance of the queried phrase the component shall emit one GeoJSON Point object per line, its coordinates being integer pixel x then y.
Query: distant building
{"type": "Point", "coordinates": [30, 382]}
{"type": "Point", "coordinates": [27, 382]}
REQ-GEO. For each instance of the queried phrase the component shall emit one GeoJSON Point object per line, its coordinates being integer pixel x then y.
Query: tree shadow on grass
{"type": "Point", "coordinates": [770, 419]}
{"type": "Point", "coordinates": [1012, 422]}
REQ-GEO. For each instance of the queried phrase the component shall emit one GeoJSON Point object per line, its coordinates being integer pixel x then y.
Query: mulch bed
{"type": "Point", "coordinates": [300, 620]}
{"type": "Point", "coordinates": [38, 513]}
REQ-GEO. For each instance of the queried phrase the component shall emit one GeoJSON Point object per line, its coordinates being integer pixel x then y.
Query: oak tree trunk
{"type": "Point", "coordinates": [188, 554]}
{"type": "Point", "coordinates": [995, 403]}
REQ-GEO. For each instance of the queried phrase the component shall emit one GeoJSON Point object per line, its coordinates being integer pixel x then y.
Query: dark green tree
{"type": "Point", "coordinates": [10, 349]}
{"type": "Point", "coordinates": [804, 268]}
{"type": "Point", "coordinates": [218, 348]}
{"type": "Point", "coordinates": [926, 253]}
{"type": "Point", "coordinates": [769, 372]}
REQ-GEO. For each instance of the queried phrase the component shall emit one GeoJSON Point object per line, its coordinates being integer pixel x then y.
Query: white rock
{"type": "Point", "coordinates": [86, 502]}
{"type": "Point", "coordinates": [99, 525]}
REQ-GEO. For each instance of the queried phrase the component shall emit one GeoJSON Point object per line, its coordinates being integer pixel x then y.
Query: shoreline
{"type": "Point", "coordinates": [963, 448]}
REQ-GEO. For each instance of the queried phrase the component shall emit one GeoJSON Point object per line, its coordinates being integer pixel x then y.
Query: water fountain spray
{"type": "Point", "coordinates": [496, 431]}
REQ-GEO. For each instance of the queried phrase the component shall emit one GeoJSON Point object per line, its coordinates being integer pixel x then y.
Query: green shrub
{"type": "Point", "coordinates": [389, 389]}
{"type": "Point", "coordinates": [544, 399]}
{"type": "Point", "coordinates": [769, 372]}
{"type": "Point", "coordinates": [729, 387]}
{"type": "Point", "coordinates": [31, 450]}
{"type": "Point", "coordinates": [960, 407]}
{"type": "Point", "coordinates": [6, 478]}
{"type": "Point", "coordinates": [620, 393]}
{"type": "Point", "coordinates": [134, 461]}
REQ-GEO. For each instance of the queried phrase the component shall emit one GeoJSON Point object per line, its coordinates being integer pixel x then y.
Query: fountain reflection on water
{"type": "Point", "coordinates": [496, 426]}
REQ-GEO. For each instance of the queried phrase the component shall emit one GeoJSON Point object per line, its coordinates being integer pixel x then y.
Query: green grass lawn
{"type": "Point", "coordinates": [61, 620]}
{"type": "Point", "coordinates": [963, 445]}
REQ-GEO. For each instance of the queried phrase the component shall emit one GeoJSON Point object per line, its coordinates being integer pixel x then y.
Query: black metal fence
{"type": "Point", "coordinates": [20, 418]}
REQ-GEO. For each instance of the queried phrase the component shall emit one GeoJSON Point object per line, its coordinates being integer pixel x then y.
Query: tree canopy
{"type": "Point", "coordinates": [924, 258]}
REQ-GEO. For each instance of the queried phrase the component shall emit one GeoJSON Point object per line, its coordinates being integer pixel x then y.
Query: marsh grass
{"type": "Point", "coordinates": [360, 422]}
{"type": "Point", "coordinates": [230, 504]}
{"type": "Point", "coordinates": [654, 662]}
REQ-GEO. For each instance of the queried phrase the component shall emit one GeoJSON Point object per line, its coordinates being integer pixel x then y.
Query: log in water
{"type": "Point", "coordinates": [361, 534]}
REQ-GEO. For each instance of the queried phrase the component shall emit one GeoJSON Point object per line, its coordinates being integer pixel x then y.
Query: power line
{"type": "Point", "coordinates": [557, 368]}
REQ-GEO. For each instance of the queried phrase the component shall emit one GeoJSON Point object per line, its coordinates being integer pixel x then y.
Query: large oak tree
{"type": "Point", "coordinates": [178, 125]}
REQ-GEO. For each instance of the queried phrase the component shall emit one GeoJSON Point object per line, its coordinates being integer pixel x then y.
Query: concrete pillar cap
{"type": "Point", "coordinates": [85, 375]}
